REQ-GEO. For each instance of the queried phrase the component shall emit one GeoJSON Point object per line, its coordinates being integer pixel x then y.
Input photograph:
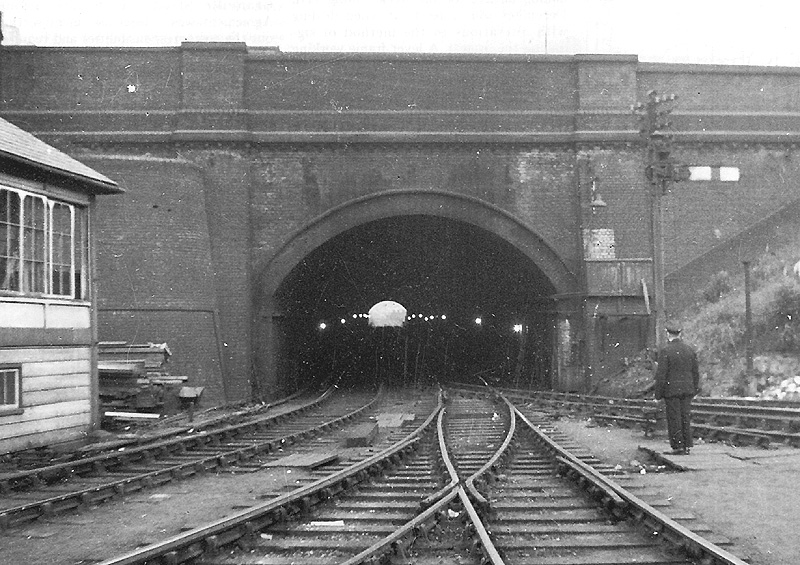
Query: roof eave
{"type": "Point", "coordinates": [93, 186]}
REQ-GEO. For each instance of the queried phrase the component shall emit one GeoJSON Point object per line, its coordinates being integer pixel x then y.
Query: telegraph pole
{"type": "Point", "coordinates": [661, 170]}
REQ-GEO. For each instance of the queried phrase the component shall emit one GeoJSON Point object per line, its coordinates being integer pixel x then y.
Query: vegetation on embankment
{"type": "Point", "coordinates": [716, 328]}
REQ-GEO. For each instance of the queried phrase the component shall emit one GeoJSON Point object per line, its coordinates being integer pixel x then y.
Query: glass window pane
{"type": "Point", "coordinates": [62, 250]}
{"type": "Point", "coordinates": [8, 387]}
{"type": "Point", "coordinates": [9, 240]}
{"type": "Point", "coordinates": [81, 243]}
{"type": "Point", "coordinates": [33, 245]}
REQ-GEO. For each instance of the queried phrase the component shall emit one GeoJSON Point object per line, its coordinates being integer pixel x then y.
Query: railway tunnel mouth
{"type": "Point", "coordinates": [478, 288]}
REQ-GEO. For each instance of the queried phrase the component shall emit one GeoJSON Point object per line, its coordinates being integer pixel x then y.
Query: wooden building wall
{"type": "Point", "coordinates": [56, 385]}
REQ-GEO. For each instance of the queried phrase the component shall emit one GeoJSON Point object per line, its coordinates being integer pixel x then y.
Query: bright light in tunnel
{"type": "Point", "coordinates": [387, 314]}
{"type": "Point", "coordinates": [343, 320]}
{"type": "Point", "coordinates": [478, 321]}
{"type": "Point", "coordinates": [517, 328]}
{"type": "Point", "coordinates": [444, 317]}
{"type": "Point", "coordinates": [322, 325]}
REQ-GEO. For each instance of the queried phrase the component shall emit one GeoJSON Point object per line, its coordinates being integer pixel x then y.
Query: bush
{"type": "Point", "coordinates": [717, 286]}
{"type": "Point", "coordinates": [785, 316]}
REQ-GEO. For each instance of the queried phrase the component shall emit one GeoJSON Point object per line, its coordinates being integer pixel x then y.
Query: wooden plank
{"type": "Point", "coordinates": [131, 415]}
{"type": "Point", "coordinates": [68, 316]}
{"type": "Point", "coordinates": [47, 425]}
{"type": "Point", "coordinates": [304, 460]}
{"type": "Point", "coordinates": [394, 419]}
{"type": "Point", "coordinates": [32, 384]}
{"type": "Point", "coordinates": [52, 396]}
{"type": "Point", "coordinates": [135, 368]}
{"type": "Point", "coordinates": [22, 314]}
{"type": "Point", "coordinates": [44, 354]}
{"type": "Point", "coordinates": [56, 368]}
{"type": "Point", "coordinates": [34, 414]}
{"type": "Point", "coordinates": [64, 432]}
{"type": "Point", "coordinates": [45, 337]}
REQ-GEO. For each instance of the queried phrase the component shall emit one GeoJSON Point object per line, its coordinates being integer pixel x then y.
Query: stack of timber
{"type": "Point", "coordinates": [134, 378]}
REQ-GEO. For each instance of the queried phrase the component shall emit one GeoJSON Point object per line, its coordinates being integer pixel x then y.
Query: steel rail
{"type": "Point", "coordinates": [622, 502]}
{"type": "Point", "coordinates": [246, 524]}
{"type": "Point", "coordinates": [50, 473]}
{"type": "Point", "coordinates": [739, 421]}
{"type": "Point", "coordinates": [446, 462]}
{"type": "Point", "coordinates": [484, 541]}
{"type": "Point", "coordinates": [405, 536]}
{"type": "Point", "coordinates": [432, 506]}
{"type": "Point", "coordinates": [488, 472]}
{"type": "Point", "coordinates": [92, 494]}
{"type": "Point", "coordinates": [241, 408]}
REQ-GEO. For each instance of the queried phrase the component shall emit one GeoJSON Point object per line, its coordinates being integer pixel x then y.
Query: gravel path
{"type": "Point", "coordinates": [749, 495]}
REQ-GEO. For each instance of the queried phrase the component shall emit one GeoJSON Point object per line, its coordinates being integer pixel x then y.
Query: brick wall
{"type": "Point", "coordinates": [291, 187]}
{"type": "Point", "coordinates": [227, 151]}
{"type": "Point", "coordinates": [156, 277]}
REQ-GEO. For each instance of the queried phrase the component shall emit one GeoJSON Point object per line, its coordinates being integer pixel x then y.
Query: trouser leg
{"type": "Point", "coordinates": [686, 421]}
{"type": "Point", "coordinates": [672, 407]}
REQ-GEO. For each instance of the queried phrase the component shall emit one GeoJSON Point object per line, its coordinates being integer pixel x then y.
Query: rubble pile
{"type": "Point", "coordinates": [787, 389]}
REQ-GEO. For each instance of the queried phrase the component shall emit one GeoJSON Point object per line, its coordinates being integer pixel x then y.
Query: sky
{"type": "Point", "coordinates": [676, 31]}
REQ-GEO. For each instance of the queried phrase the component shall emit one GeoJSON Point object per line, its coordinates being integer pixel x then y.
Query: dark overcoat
{"type": "Point", "coordinates": [677, 373]}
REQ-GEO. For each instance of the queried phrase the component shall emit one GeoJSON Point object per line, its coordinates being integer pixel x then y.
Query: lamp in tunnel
{"type": "Point", "coordinates": [387, 314]}
{"type": "Point", "coordinates": [322, 325]}
{"type": "Point", "coordinates": [517, 328]}
{"type": "Point", "coordinates": [478, 321]}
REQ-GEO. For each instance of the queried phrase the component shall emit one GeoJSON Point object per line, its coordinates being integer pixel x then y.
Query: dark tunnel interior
{"type": "Point", "coordinates": [477, 308]}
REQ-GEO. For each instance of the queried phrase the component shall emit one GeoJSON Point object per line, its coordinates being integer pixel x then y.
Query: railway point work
{"type": "Point", "coordinates": [699, 494]}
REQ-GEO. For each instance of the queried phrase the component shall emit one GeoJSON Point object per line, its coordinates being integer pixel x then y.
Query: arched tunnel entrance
{"type": "Point", "coordinates": [477, 308]}
{"type": "Point", "coordinates": [479, 296]}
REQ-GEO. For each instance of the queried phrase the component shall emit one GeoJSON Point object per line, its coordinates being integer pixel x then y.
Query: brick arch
{"type": "Point", "coordinates": [271, 271]}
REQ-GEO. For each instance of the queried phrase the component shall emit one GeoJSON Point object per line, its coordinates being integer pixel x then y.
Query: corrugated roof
{"type": "Point", "coordinates": [20, 145]}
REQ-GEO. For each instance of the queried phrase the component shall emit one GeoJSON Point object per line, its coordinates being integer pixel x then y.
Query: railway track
{"type": "Point", "coordinates": [739, 421]}
{"type": "Point", "coordinates": [478, 481]}
{"type": "Point", "coordinates": [47, 491]}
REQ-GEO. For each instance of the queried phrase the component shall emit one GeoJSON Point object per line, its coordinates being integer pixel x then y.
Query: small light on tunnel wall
{"type": "Point", "coordinates": [322, 325]}
{"type": "Point", "coordinates": [444, 317]}
{"type": "Point", "coordinates": [517, 328]}
{"type": "Point", "coordinates": [343, 320]}
{"type": "Point", "coordinates": [478, 321]}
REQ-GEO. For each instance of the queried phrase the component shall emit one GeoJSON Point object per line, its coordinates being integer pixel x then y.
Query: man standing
{"type": "Point", "coordinates": [677, 381]}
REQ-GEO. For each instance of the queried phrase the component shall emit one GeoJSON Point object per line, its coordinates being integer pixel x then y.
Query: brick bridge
{"type": "Point", "coordinates": [242, 163]}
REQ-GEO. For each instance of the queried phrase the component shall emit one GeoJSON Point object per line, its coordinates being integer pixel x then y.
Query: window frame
{"type": "Point", "coordinates": [77, 253]}
{"type": "Point", "coordinates": [7, 409]}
